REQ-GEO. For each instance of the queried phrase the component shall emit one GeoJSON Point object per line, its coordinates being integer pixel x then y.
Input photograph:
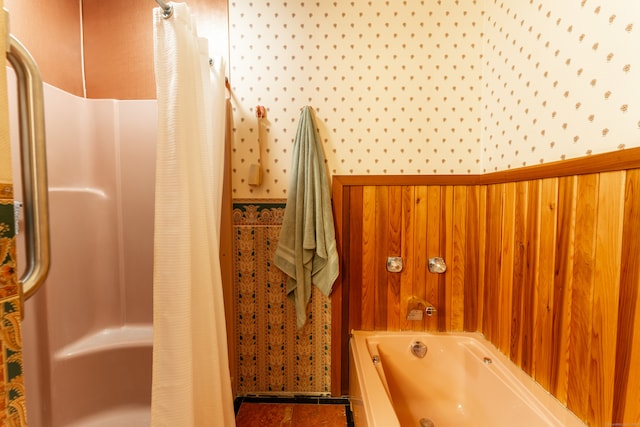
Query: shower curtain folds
{"type": "Point", "coordinates": [191, 379]}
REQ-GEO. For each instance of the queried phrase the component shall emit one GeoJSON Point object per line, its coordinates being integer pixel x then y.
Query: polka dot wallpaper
{"type": "Point", "coordinates": [432, 86]}
{"type": "Point", "coordinates": [560, 80]}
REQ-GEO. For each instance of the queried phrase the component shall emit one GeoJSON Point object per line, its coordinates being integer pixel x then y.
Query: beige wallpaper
{"type": "Point", "coordinates": [561, 79]}
{"type": "Point", "coordinates": [395, 86]}
{"type": "Point", "coordinates": [437, 86]}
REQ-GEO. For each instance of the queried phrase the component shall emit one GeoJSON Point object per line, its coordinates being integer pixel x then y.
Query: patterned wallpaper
{"type": "Point", "coordinates": [432, 86]}
{"type": "Point", "coordinates": [12, 394]}
{"type": "Point", "coordinates": [272, 355]}
{"type": "Point", "coordinates": [396, 86]}
{"type": "Point", "coordinates": [561, 79]}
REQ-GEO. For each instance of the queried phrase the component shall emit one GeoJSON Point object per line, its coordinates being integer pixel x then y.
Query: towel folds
{"type": "Point", "coordinates": [306, 250]}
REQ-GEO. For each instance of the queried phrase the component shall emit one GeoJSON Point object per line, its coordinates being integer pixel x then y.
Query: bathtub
{"type": "Point", "coordinates": [462, 380]}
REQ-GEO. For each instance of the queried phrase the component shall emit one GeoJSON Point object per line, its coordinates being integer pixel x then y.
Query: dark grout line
{"type": "Point", "coordinates": [236, 404]}
{"type": "Point", "coordinates": [349, 414]}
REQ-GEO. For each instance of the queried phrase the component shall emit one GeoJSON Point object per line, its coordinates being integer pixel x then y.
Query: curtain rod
{"type": "Point", "coordinates": [167, 8]}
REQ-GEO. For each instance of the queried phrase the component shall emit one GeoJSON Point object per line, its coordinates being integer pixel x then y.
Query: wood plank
{"type": "Point", "coordinates": [355, 280]}
{"type": "Point", "coordinates": [529, 286]}
{"type": "Point", "coordinates": [492, 261]}
{"type": "Point", "coordinates": [368, 257]}
{"type": "Point", "coordinates": [472, 260]}
{"type": "Point", "coordinates": [582, 295]}
{"type": "Point", "coordinates": [482, 252]}
{"type": "Point", "coordinates": [380, 263]}
{"type": "Point", "coordinates": [606, 296]}
{"type": "Point", "coordinates": [562, 287]}
{"type": "Point", "coordinates": [520, 267]}
{"type": "Point", "coordinates": [626, 403]}
{"type": "Point", "coordinates": [446, 249]}
{"type": "Point", "coordinates": [631, 406]}
{"type": "Point", "coordinates": [408, 254]}
{"type": "Point", "coordinates": [420, 248]}
{"type": "Point", "coordinates": [542, 343]}
{"type": "Point", "coordinates": [432, 282]}
{"type": "Point", "coordinates": [459, 251]}
{"type": "Point", "coordinates": [394, 248]}
{"type": "Point", "coordinates": [506, 267]}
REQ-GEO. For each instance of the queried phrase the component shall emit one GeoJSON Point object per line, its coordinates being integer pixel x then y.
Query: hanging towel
{"type": "Point", "coordinates": [306, 250]}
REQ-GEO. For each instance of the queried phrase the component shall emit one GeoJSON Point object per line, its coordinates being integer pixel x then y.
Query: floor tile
{"type": "Point", "coordinates": [290, 415]}
{"type": "Point", "coordinates": [319, 415]}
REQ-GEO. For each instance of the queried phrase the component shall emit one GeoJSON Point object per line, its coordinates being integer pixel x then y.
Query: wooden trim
{"type": "Point", "coordinates": [628, 300]}
{"type": "Point", "coordinates": [596, 163]}
{"type": "Point", "coordinates": [338, 302]}
{"type": "Point", "coordinates": [402, 180]}
{"type": "Point", "coordinates": [606, 162]}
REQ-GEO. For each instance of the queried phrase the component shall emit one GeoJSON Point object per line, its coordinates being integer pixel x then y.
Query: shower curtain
{"type": "Point", "coordinates": [191, 380]}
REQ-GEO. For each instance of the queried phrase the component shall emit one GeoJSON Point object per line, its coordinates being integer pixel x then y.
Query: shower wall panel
{"type": "Point", "coordinates": [101, 168]}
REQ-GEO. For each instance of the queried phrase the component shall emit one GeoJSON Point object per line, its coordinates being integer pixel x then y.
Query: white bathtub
{"type": "Point", "coordinates": [462, 381]}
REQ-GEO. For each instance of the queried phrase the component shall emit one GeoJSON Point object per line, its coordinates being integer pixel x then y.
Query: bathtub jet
{"type": "Point", "coordinates": [426, 422]}
{"type": "Point", "coordinates": [419, 349]}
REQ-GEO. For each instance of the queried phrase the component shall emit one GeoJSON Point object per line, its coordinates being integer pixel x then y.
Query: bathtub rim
{"type": "Point", "coordinates": [364, 368]}
{"type": "Point", "coordinates": [368, 384]}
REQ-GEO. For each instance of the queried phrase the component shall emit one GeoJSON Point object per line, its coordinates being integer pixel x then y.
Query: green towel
{"type": "Point", "coordinates": [306, 250]}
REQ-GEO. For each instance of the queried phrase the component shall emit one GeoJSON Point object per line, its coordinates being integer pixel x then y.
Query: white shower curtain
{"type": "Point", "coordinates": [191, 381]}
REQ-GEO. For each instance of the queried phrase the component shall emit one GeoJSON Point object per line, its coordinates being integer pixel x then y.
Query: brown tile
{"type": "Point", "coordinates": [264, 415]}
{"type": "Point", "coordinates": [290, 415]}
{"type": "Point", "coordinates": [319, 415]}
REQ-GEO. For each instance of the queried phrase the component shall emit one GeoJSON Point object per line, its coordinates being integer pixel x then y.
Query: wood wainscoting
{"type": "Point", "coordinates": [544, 261]}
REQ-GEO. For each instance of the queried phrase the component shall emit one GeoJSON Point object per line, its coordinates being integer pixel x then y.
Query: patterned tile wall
{"type": "Point", "coordinates": [12, 395]}
{"type": "Point", "coordinates": [432, 86]}
{"type": "Point", "coordinates": [272, 356]}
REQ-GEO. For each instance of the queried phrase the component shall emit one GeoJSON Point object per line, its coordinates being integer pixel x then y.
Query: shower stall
{"type": "Point", "coordinates": [87, 334]}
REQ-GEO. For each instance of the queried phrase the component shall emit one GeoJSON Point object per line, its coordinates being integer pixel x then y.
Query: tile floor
{"type": "Point", "coordinates": [292, 412]}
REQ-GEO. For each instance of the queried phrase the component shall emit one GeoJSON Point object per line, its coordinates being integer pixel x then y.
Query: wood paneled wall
{"type": "Point", "coordinates": [544, 261]}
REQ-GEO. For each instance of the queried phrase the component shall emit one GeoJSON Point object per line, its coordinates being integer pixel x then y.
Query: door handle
{"type": "Point", "coordinates": [34, 167]}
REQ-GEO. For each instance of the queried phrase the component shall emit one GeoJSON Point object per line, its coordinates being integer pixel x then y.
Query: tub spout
{"type": "Point", "coordinates": [418, 307]}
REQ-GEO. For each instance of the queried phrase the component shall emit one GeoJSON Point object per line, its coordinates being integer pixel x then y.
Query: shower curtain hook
{"type": "Point", "coordinates": [167, 9]}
